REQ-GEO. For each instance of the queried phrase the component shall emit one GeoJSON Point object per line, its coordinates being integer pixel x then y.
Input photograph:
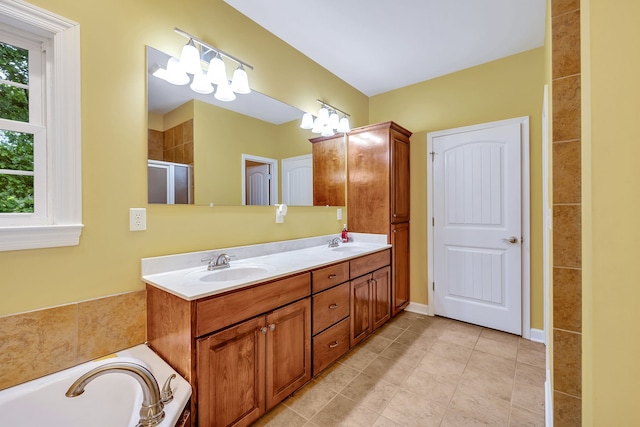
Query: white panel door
{"type": "Point", "coordinates": [478, 226]}
{"type": "Point", "coordinates": [258, 178]}
{"type": "Point", "coordinates": [297, 181]}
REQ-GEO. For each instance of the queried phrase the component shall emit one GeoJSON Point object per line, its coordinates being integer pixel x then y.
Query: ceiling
{"type": "Point", "coordinates": [381, 45]}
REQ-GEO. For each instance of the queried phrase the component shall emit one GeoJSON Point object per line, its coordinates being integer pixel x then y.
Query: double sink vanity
{"type": "Point", "coordinates": [248, 326]}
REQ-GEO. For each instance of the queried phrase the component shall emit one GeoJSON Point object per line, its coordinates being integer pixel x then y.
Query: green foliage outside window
{"type": "Point", "coordinates": [16, 149]}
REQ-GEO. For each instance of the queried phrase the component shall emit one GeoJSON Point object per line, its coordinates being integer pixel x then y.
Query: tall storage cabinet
{"type": "Point", "coordinates": [378, 195]}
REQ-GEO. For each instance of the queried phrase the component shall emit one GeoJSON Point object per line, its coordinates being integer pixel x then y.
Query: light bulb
{"type": "Point", "coordinates": [334, 120]}
{"type": "Point", "coordinates": [307, 121]}
{"type": "Point", "coordinates": [175, 73]}
{"type": "Point", "coordinates": [327, 131]}
{"type": "Point", "coordinates": [323, 115]}
{"type": "Point", "coordinates": [224, 93]}
{"type": "Point", "coordinates": [344, 127]}
{"type": "Point", "coordinates": [240, 81]}
{"type": "Point", "coordinates": [317, 126]}
{"type": "Point", "coordinates": [217, 73]}
{"type": "Point", "coordinates": [190, 58]}
{"type": "Point", "coordinates": [201, 84]}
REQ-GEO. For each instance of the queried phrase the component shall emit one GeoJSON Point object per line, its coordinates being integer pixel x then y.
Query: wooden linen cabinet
{"type": "Point", "coordinates": [378, 195]}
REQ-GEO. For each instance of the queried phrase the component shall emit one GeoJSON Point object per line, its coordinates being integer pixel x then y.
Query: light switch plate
{"type": "Point", "coordinates": [137, 219]}
{"type": "Point", "coordinates": [339, 214]}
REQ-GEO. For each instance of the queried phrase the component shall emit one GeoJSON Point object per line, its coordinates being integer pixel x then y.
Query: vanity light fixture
{"type": "Point", "coordinates": [327, 121]}
{"type": "Point", "coordinates": [193, 54]}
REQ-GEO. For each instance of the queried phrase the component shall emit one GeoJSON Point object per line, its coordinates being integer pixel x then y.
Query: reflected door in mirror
{"type": "Point", "coordinates": [169, 183]}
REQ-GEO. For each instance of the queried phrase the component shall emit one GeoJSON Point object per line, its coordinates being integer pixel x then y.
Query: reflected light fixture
{"type": "Point", "coordinates": [327, 121]}
{"type": "Point", "coordinates": [224, 93]}
{"type": "Point", "coordinates": [307, 121]}
{"type": "Point", "coordinates": [201, 84]}
{"type": "Point", "coordinates": [193, 54]}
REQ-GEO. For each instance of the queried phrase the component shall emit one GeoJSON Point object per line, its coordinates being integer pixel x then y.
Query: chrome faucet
{"type": "Point", "coordinates": [222, 261]}
{"type": "Point", "coordinates": [152, 410]}
{"type": "Point", "coordinates": [335, 242]}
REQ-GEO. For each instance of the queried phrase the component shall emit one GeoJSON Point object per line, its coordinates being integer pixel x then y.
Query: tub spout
{"type": "Point", "coordinates": [152, 410]}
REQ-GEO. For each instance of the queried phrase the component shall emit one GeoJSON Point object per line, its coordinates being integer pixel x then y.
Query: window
{"type": "Point", "coordinates": [40, 191]}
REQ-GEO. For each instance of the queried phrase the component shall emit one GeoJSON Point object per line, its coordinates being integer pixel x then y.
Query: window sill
{"type": "Point", "coordinates": [35, 237]}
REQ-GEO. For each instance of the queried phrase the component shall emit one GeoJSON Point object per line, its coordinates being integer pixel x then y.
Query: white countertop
{"type": "Point", "coordinates": [177, 275]}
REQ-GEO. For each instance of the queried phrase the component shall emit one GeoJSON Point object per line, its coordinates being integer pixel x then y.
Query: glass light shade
{"type": "Point", "coordinates": [323, 115]}
{"type": "Point", "coordinates": [344, 126]}
{"type": "Point", "coordinates": [224, 93]}
{"type": "Point", "coordinates": [190, 58]}
{"type": "Point", "coordinates": [175, 73]}
{"type": "Point", "coordinates": [307, 121]}
{"type": "Point", "coordinates": [217, 73]}
{"type": "Point", "coordinates": [334, 120]}
{"type": "Point", "coordinates": [317, 126]}
{"type": "Point", "coordinates": [240, 81]}
{"type": "Point", "coordinates": [161, 73]}
{"type": "Point", "coordinates": [327, 131]}
{"type": "Point", "coordinates": [201, 84]}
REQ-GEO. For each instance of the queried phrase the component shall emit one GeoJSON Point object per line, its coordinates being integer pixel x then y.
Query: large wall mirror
{"type": "Point", "coordinates": [250, 151]}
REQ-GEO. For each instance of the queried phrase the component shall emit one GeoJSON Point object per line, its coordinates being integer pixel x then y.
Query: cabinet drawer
{"type": "Point", "coordinates": [326, 277]}
{"type": "Point", "coordinates": [330, 306]}
{"type": "Point", "coordinates": [330, 345]}
{"type": "Point", "coordinates": [225, 310]}
{"type": "Point", "coordinates": [369, 263]}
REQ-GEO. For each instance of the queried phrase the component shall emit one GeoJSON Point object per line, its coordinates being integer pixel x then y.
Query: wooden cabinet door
{"type": "Point", "coordinates": [399, 177]}
{"type": "Point", "coordinates": [329, 176]}
{"type": "Point", "coordinates": [368, 179]}
{"type": "Point", "coordinates": [400, 283]}
{"type": "Point", "coordinates": [381, 296]}
{"type": "Point", "coordinates": [231, 386]}
{"type": "Point", "coordinates": [361, 325]}
{"type": "Point", "coordinates": [288, 355]}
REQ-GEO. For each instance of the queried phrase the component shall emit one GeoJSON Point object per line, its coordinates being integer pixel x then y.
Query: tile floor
{"type": "Point", "coordinates": [424, 371]}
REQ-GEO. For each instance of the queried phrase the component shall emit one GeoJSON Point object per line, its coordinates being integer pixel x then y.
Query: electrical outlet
{"type": "Point", "coordinates": [339, 214]}
{"type": "Point", "coordinates": [137, 219]}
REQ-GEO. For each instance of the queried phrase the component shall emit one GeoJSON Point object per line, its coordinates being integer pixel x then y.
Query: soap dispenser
{"type": "Point", "coordinates": [345, 234]}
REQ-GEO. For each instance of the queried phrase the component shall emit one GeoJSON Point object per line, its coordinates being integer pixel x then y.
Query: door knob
{"type": "Point", "coordinates": [512, 239]}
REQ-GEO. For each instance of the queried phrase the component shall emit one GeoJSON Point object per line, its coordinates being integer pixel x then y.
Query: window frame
{"type": "Point", "coordinates": [62, 224]}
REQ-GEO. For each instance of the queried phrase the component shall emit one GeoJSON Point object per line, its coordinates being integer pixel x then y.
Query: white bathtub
{"type": "Point", "coordinates": [111, 400]}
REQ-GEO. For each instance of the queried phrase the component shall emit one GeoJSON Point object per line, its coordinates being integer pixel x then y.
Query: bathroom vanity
{"type": "Point", "coordinates": [245, 347]}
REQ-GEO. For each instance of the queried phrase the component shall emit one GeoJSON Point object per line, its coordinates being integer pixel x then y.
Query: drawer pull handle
{"type": "Point", "coordinates": [333, 345]}
{"type": "Point", "coordinates": [263, 329]}
{"type": "Point", "coordinates": [333, 276]}
{"type": "Point", "coordinates": [332, 306]}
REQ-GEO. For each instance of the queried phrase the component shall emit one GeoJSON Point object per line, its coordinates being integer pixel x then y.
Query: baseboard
{"type": "Point", "coordinates": [538, 335]}
{"type": "Point", "coordinates": [415, 307]}
{"type": "Point", "coordinates": [548, 401]}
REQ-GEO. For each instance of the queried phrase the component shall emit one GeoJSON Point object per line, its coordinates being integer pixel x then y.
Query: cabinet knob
{"type": "Point", "coordinates": [332, 306]}
{"type": "Point", "coordinates": [333, 344]}
{"type": "Point", "coordinates": [272, 326]}
{"type": "Point", "coordinates": [263, 329]}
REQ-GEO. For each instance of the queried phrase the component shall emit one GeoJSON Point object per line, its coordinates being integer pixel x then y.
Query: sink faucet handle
{"type": "Point", "coordinates": [167, 393]}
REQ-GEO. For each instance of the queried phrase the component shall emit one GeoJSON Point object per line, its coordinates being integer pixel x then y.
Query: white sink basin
{"type": "Point", "coordinates": [233, 273]}
{"type": "Point", "coordinates": [348, 249]}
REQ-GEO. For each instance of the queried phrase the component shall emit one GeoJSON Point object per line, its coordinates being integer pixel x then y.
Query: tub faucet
{"type": "Point", "coordinates": [152, 410]}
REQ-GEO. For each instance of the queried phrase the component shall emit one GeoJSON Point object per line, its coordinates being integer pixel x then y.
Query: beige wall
{"type": "Point", "coordinates": [510, 87]}
{"type": "Point", "coordinates": [114, 121]}
{"type": "Point", "coordinates": [611, 202]}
